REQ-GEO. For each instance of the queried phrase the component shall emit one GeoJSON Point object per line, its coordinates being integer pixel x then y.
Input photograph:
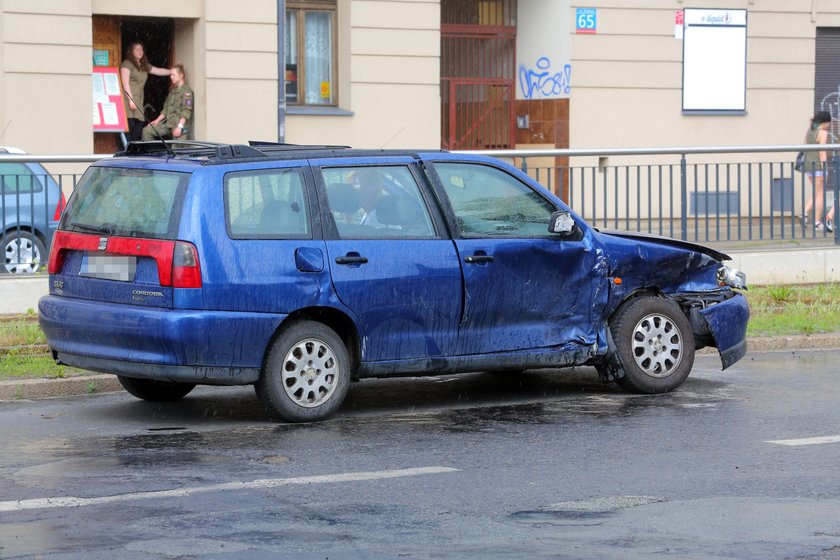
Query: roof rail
{"type": "Point", "coordinates": [216, 151]}
{"type": "Point", "coordinates": [277, 146]}
{"type": "Point", "coordinates": [191, 148]}
{"type": "Point", "coordinates": [237, 151]}
{"type": "Point", "coordinates": [145, 147]}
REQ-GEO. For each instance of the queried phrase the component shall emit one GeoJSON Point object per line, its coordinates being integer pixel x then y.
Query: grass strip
{"type": "Point", "coordinates": [774, 311]}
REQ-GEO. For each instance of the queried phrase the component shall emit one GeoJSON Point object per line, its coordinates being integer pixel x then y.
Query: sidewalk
{"type": "Point", "coordinates": [94, 383]}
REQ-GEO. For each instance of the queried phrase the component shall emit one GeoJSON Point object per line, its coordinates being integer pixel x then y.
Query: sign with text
{"type": "Point", "coordinates": [108, 108]}
{"type": "Point", "coordinates": [679, 23]}
{"type": "Point", "coordinates": [715, 61]}
{"type": "Point", "coordinates": [100, 57]}
{"type": "Point", "coordinates": [586, 20]}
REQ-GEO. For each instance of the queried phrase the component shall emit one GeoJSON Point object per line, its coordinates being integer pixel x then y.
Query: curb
{"type": "Point", "coordinates": [816, 341]}
{"type": "Point", "coordinates": [29, 389]}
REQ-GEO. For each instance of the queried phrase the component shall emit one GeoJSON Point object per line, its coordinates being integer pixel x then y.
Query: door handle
{"type": "Point", "coordinates": [473, 259]}
{"type": "Point", "coordinates": [351, 260]}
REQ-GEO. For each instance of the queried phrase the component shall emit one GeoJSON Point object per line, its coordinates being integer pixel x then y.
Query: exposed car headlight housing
{"type": "Point", "coordinates": [732, 277]}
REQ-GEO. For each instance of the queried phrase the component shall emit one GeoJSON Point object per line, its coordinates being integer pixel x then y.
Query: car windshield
{"type": "Point", "coordinates": [126, 202]}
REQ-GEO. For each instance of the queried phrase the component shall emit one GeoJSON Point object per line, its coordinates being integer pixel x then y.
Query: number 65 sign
{"type": "Point", "coordinates": [586, 20]}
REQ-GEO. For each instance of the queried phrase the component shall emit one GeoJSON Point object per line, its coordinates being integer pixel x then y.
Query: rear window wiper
{"type": "Point", "coordinates": [109, 229]}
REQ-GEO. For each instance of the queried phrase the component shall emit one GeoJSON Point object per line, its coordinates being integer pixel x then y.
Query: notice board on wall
{"type": "Point", "coordinates": [108, 107]}
{"type": "Point", "coordinates": [715, 61]}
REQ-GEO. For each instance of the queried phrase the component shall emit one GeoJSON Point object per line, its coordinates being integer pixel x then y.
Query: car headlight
{"type": "Point", "coordinates": [732, 277]}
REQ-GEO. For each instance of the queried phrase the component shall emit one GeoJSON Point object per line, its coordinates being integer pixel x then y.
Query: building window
{"type": "Point", "coordinates": [310, 52]}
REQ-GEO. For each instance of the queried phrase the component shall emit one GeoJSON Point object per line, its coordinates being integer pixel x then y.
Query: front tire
{"type": "Point", "coordinates": [306, 373]}
{"type": "Point", "coordinates": [155, 391]}
{"type": "Point", "coordinates": [655, 343]}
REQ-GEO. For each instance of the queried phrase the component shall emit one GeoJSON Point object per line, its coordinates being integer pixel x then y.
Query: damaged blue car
{"type": "Point", "coordinates": [299, 269]}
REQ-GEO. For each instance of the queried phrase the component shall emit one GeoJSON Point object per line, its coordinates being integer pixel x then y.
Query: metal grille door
{"type": "Point", "coordinates": [478, 57]}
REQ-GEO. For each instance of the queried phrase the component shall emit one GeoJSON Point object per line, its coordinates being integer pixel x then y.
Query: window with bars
{"type": "Point", "coordinates": [311, 52]}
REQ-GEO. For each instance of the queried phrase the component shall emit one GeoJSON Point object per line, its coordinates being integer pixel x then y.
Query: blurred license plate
{"type": "Point", "coordinates": [108, 267]}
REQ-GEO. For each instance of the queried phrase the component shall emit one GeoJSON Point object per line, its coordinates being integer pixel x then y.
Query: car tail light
{"type": "Point", "coordinates": [186, 271]}
{"type": "Point", "coordinates": [60, 208]}
{"type": "Point", "coordinates": [63, 241]}
{"type": "Point", "coordinates": [177, 261]}
{"type": "Point", "coordinates": [56, 254]}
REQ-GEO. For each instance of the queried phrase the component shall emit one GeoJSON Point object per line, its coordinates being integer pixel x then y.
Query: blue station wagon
{"type": "Point", "coordinates": [299, 269]}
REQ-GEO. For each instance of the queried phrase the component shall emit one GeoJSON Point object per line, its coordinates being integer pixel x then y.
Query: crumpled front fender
{"type": "Point", "coordinates": [727, 323]}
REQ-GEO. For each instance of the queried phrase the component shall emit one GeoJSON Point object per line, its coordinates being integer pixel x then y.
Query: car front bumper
{"type": "Point", "coordinates": [727, 324]}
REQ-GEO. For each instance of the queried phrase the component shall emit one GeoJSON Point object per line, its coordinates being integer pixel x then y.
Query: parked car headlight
{"type": "Point", "coordinates": [732, 277]}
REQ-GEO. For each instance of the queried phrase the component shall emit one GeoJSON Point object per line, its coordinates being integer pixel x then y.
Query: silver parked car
{"type": "Point", "coordinates": [31, 206]}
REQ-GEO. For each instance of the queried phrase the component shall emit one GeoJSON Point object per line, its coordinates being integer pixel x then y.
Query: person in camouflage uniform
{"type": "Point", "coordinates": [176, 118]}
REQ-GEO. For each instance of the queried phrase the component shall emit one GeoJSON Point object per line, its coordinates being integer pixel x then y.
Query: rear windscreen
{"type": "Point", "coordinates": [126, 202]}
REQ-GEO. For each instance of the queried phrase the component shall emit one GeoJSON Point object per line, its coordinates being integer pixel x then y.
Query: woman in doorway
{"type": "Point", "coordinates": [814, 169]}
{"type": "Point", "coordinates": [177, 110]}
{"type": "Point", "coordinates": [134, 71]}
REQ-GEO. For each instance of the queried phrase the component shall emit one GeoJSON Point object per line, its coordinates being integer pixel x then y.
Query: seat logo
{"type": "Point", "coordinates": [103, 243]}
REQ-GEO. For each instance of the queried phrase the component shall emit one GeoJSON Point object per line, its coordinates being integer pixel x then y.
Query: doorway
{"type": "Point", "coordinates": [477, 61]}
{"type": "Point", "coordinates": [115, 34]}
{"type": "Point", "coordinates": [156, 36]}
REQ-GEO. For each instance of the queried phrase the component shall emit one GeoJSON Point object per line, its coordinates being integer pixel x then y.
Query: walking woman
{"type": "Point", "coordinates": [134, 71]}
{"type": "Point", "coordinates": [814, 168]}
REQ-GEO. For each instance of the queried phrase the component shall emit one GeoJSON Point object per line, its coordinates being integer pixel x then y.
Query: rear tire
{"type": "Point", "coordinates": [306, 373]}
{"type": "Point", "coordinates": [155, 391]}
{"type": "Point", "coordinates": [655, 342]}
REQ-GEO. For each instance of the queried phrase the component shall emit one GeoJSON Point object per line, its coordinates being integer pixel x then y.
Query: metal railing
{"type": "Point", "coordinates": [698, 194]}
{"type": "Point", "coordinates": [31, 201]}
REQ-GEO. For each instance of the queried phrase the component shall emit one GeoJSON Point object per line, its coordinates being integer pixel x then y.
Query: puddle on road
{"type": "Point", "coordinates": [566, 409]}
{"type": "Point", "coordinates": [166, 429]}
{"type": "Point", "coordinates": [582, 512]}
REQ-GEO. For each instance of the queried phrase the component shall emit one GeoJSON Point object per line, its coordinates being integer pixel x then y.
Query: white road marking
{"type": "Point", "coordinates": [806, 441]}
{"type": "Point", "coordinates": [70, 501]}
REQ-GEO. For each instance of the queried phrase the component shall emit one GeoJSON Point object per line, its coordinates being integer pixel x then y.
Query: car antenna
{"type": "Point", "coordinates": [166, 146]}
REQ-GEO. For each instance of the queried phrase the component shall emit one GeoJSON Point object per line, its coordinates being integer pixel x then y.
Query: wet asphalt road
{"type": "Point", "coordinates": [539, 465]}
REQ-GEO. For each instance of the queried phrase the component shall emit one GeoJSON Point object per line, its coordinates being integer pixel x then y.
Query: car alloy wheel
{"type": "Point", "coordinates": [654, 343]}
{"type": "Point", "coordinates": [657, 345]}
{"type": "Point", "coordinates": [23, 253]}
{"type": "Point", "coordinates": [310, 373]}
{"type": "Point", "coordinates": [306, 372]}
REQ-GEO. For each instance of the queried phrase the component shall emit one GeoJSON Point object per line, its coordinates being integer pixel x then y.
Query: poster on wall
{"type": "Point", "coordinates": [543, 47]}
{"type": "Point", "coordinates": [714, 61]}
{"type": "Point", "coordinates": [108, 108]}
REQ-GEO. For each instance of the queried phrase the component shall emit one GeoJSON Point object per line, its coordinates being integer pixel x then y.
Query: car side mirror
{"type": "Point", "coordinates": [562, 223]}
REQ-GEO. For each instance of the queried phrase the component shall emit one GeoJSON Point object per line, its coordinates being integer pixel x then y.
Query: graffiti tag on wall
{"type": "Point", "coordinates": [544, 83]}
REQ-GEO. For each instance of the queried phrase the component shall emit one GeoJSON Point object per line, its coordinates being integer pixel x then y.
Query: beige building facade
{"type": "Point", "coordinates": [386, 85]}
{"type": "Point", "coordinates": [626, 78]}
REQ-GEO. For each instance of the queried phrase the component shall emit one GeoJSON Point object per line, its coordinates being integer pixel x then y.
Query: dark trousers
{"type": "Point", "coordinates": [135, 129]}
